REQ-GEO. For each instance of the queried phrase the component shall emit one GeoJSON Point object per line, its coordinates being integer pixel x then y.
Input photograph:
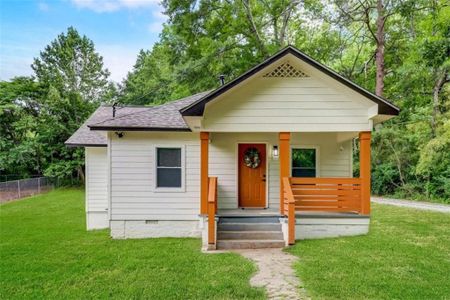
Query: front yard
{"type": "Point", "coordinates": [406, 255]}
{"type": "Point", "coordinates": [45, 252]}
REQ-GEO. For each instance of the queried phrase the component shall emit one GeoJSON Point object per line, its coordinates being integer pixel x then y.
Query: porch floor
{"type": "Point", "coordinates": [273, 212]}
{"type": "Point", "coordinates": [249, 212]}
{"type": "Point", "coordinates": [328, 214]}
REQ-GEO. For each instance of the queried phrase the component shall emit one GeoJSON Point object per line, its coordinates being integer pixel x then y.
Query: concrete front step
{"type": "Point", "coordinates": [249, 227]}
{"type": "Point", "coordinates": [250, 235]}
{"type": "Point", "coordinates": [249, 244]}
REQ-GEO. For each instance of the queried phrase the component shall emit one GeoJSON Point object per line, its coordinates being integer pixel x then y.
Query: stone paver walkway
{"type": "Point", "coordinates": [445, 208]}
{"type": "Point", "coordinates": [275, 273]}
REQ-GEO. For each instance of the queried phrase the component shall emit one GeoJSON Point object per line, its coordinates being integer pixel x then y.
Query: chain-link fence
{"type": "Point", "coordinates": [16, 189]}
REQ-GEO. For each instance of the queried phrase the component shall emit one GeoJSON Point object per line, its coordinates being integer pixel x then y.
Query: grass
{"type": "Point", "coordinates": [406, 255]}
{"type": "Point", "coordinates": [45, 252]}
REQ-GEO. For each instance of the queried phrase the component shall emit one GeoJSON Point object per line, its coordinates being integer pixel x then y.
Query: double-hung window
{"type": "Point", "coordinates": [169, 168]}
{"type": "Point", "coordinates": [304, 162]}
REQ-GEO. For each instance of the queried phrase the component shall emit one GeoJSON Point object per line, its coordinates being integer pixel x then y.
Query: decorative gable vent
{"type": "Point", "coordinates": [286, 70]}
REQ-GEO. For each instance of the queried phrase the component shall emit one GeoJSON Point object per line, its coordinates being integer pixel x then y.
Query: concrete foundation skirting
{"type": "Point", "coordinates": [97, 220]}
{"type": "Point", "coordinates": [329, 227]}
{"type": "Point", "coordinates": [155, 229]}
{"type": "Point", "coordinates": [204, 227]}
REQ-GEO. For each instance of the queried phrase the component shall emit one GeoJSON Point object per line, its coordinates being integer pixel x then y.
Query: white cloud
{"type": "Point", "coordinates": [13, 65]}
{"type": "Point", "coordinates": [118, 59]}
{"type": "Point", "coordinates": [43, 6]}
{"type": "Point", "coordinates": [102, 6]}
{"type": "Point", "coordinates": [157, 24]}
{"type": "Point", "coordinates": [155, 27]}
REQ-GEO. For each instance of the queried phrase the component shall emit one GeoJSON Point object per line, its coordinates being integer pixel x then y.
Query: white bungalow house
{"type": "Point", "coordinates": [261, 161]}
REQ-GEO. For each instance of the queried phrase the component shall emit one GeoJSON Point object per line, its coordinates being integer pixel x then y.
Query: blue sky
{"type": "Point", "coordinates": [119, 29]}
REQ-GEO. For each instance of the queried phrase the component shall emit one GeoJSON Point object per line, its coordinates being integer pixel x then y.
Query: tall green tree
{"type": "Point", "coordinates": [398, 49]}
{"type": "Point", "coordinates": [72, 66]}
{"type": "Point", "coordinates": [204, 39]}
{"type": "Point", "coordinates": [20, 154]}
{"type": "Point", "coordinates": [76, 83]}
{"type": "Point", "coordinates": [38, 114]}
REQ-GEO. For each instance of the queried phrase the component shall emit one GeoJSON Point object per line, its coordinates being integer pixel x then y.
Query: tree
{"type": "Point", "coordinates": [204, 39]}
{"type": "Point", "coordinates": [399, 49]}
{"type": "Point", "coordinates": [76, 83]}
{"type": "Point", "coordinates": [373, 14]}
{"type": "Point", "coordinates": [71, 65]}
{"type": "Point", "coordinates": [19, 111]}
{"type": "Point", "coordinates": [39, 114]}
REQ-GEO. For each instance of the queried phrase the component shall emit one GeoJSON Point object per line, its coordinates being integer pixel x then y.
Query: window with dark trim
{"type": "Point", "coordinates": [168, 168]}
{"type": "Point", "coordinates": [304, 162]}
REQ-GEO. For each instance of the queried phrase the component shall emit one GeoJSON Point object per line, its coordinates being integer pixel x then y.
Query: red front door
{"type": "Point", "coordinates": [252, 175]}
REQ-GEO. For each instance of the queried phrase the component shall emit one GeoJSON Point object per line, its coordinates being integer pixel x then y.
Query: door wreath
{"type": "Point", "coordinates": [252, 158]}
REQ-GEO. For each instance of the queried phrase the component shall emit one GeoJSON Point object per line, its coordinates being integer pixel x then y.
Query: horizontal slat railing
{"type": "Point", "coordinates": [212, 209]}
{"type": "Point", "coordinates": [326, 194]}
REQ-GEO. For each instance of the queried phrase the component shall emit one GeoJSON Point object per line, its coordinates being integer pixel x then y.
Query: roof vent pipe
{"type": "Point", "coordinates": [114, 109]}
{"type": "Point", "coordinates": [222, 79]}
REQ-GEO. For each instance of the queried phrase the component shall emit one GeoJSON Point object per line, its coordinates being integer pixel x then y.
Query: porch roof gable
{"type": "Point", "coordinates": [197, 108]}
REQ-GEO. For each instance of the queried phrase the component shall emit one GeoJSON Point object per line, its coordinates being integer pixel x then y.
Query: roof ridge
{"type": "Point", "coordinates": [127, 105]}
{"type": "Point", "coordinates": [145, 110]}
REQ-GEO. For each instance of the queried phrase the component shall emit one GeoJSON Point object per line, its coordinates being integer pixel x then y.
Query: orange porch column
{"type": "Point", "coordinates": [204, 144]}
{"type": "Point", "coordinates": [285, 154]}
{"type": "Point", "coordinates": [364, 170]}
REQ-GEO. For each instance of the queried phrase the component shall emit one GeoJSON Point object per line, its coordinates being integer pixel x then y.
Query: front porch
{"type": "Point", "coordinates": [308, 207]}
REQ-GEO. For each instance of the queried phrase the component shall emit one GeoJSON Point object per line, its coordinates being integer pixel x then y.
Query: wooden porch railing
{"type": "Point", "coordinates": [319, 194]}
{"type": "Point", "coordinates": [212, 209]}
{"type": "Point", "coordinates": [327, 194]}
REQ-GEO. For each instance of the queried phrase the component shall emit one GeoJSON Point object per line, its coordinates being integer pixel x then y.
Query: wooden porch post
{"type": "Point", "coordinates": [285, 153]}
{"type": "Point", "coordinates": [204, 144]}
{"type": "Point", "coordinates": [364, 171]}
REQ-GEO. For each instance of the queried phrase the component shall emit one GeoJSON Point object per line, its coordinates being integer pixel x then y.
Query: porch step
{"type": "Point", "coordinates": [250, 235]}
{"type": "Point", "coordinates": [248, 226]}
{"type": "Point", "coordinates": [249, 244]}
{"type": "Point", "coordinates": [244, 219]}
{"type": "Point", "coordinates": [249, 232]}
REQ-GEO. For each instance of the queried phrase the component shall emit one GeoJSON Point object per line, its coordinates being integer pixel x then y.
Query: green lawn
{"type": "Point", "coordinates": [405, 256]}
{"type": "Point", "coordinates": [45, 252]}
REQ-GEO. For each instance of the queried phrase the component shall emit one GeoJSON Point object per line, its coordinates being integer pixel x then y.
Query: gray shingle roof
{"type": "Point", "coordinates": [161, 117]}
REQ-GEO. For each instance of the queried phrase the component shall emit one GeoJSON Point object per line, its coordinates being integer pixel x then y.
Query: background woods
{"type": "Point", "coordinates": [398, 49]}
{"type": "Point", "coordinates": [39, 113]}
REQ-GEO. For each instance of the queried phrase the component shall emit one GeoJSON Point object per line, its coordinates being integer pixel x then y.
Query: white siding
{"type": "Point", "coordinates": [96, 179]}
{"type": "Point", "coordinates": [133, 193]}
{"type": "Point", "coordinates": [96, 188]}
{"type": "Point", "coordinates": [311, 104]}
{"type": "Point", "coordinates": [334, 161]}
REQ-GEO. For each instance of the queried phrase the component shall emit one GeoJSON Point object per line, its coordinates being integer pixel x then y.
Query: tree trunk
{"type": "Point", "coordinates": [379, 59]}
{"type": "Point", "coordinates": [284, 25]}
{"type": "Point", "coordinates": [254, 29]}
{"type": "Point", "coordinates": [441, 79]}
{"type": "Point", "coordinates": [80, 173]}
